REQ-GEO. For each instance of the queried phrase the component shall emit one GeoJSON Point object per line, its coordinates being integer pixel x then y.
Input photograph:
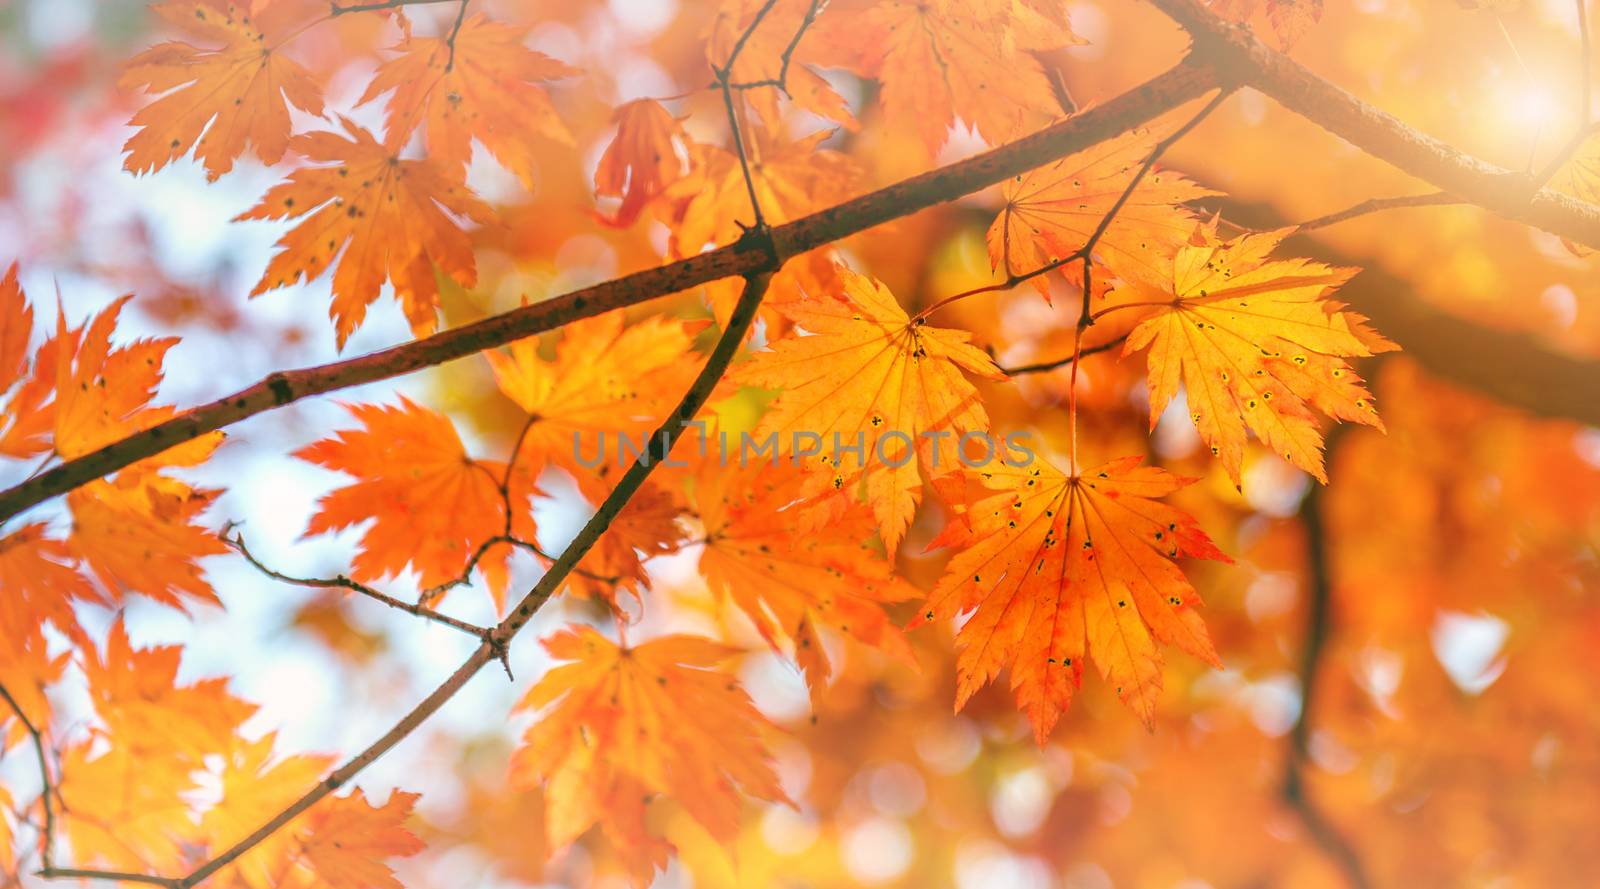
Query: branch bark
{"type": "Point", "coordinates": [1240, 56]}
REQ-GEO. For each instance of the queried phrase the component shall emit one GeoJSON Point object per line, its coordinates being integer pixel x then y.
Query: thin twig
{"type": "Point", "coordinates": [1045, 366]}
{"type": "Point", "coordinates": [499, 639]}
{"type": "Point", "coordinates": [47, 843]}
{"type": "Point", "coordinates": [1318, 629]}
{"type": "Point", "coordinates": [1086, 252]}
{"type": "Point", "coordinates": [455, 31]}
{"type": "Point", "coordinates": [723, 77]}
{"type": "Point", "coordinates": [1376, 205]}
{"type": "Point", "coordinates": [343, 582]}
{"type": "Point", "coordinates": [781, 82]}
{"type": "Point", "coordinates": [336, 10]}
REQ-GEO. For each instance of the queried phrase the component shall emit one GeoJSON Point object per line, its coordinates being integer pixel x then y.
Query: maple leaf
{"type": "Point", "coordinates": [1256, 344]}
{"type": "Point", "coordinates": [124, 788]}
{"type": "Point", "coordinates": [648, 526]}
{"type": "Point", "coordinates": [642, 160]}
{"type": "Point", "coordinates": [791, 179]}
{"type": "Point", "coordinates": [484, 88]}
{"type": "Point", "coordinates": [867, 372]}
{"type": "Point", "coordinates": [135, 692]}
{"type": "Point", "coordinates": [1581, 178]}
{"type": "Point", "coordinates": [762, 59]}
{"type": "Point", "coordinates": [431, 506]}
{"type": "Point", "coordinates": [347, 840]}
{"type": "Point", "coordinates": [139, 534]}
{"type": "Point", "coordinates": [101, 390]}
{"type": "Point", "coordinates": [1052, 211]}
{"type": "Point", "coordinates": [42, 583]}
{"type": "Point", "coordinates": [28, 417]}
{"type": "Point", "coordinates": [617, 725]}
{"type": "Point", "coordinates": [26, 670]}
{"type": "Point", "coordinates": [793, 584]}
{"type": "Point", "coordinates": [381, 217]}
{"type": "Point", "coordinates": [235, 95]}
{"type": "Point", "coordinates": [948, 60]}
{"type": "Point", "coordinates": [1067, 567]}
{"type": "Point", "coordinates": [607, 380]}
{"type": "Point", "coordinates": [257, 785]}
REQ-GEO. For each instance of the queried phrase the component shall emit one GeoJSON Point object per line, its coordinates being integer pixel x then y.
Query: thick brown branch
{"type": "Point", "coordinates": [746, 256]}
{"type": "Point", "coordinates": [1242, 58]}
{"type": "Point", "coordinates": [661, 443]}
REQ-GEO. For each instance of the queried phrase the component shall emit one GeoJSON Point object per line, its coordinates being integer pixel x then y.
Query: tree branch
{"type": "Point", "coordinates": [1378, 205]}
{"type": "Point", "coordinates": [1045, 366]}
{"type": "Point", "coordinates": [1514, 195]}
{"type": "Point", "coordinates": [748, 255]}
{"type": "Point", "coordinates": [661, 443]}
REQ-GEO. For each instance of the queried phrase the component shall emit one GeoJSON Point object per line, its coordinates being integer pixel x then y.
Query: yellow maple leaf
{"type": "Point", "coordinates": [869, 373]}
{"type": "Point", "coordinates": [1256, 343]}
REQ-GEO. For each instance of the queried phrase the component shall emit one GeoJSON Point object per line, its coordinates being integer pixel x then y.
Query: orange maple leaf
{"type": "Point", "coordinates": [618, 725]}
{"type": "Point", "coordinates": [235, 94]}
{"type": "Point", "coordinates": [1051, 212]}
{"type": "Point", "coordinates": [791, 583]}
{"type": "Point", "coordinates": [347, 840]}
{"type": "Point", "coordinates": [257, 784]}
{"type": "Point", "coordinates": [947, 60]}
{"type": "Point", "coordinates": [1063, 568]}
{"type": "Point", "coordinates": [648, 526]}
{"type": "Point", "coordinates": [1255, 343]}
{"type": "Point", "coordinates": [385, 215]}
{"type": "Point", "coordinates": [642, 160]}
{"type": "Point", "coordinates": [484, 88]}
{"type": "Point", "coordinates": [431, 506]}
{"type": "Point", "coordinates": [29, 416]}
{"type": "Point", "coordinates": [762, 59]}
{"type": "Point", "coordinates": [869, 373]}
{"type": "Point", "coordinates": [42, 582]}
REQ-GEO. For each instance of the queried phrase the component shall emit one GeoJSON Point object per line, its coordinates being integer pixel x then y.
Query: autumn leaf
{"type": "Point", "coordinates": [431, 506]}
{"type": "Point", "coordinates": [381, 217]}
{"type": "Point", "coordinates": [486, 87]}
{"type": "Point", "coordinates": [236, 95]}
{"type": "Point", "coordinates": [1064, 568]}
{"type": "Point", "coordinates": [607, 380]}
{"type": "Point", "coordinates": [642, 159]}
{"type": "Point", "coordinates": [257, 784]}
{"type": "Point", "coordinates": [42, 583]}
{"type": "Point", "coordinates": [762, 59]}
{"type": "Point", "coordinates": [25, 426]}
{"type": "Point", "coordinates": [1051, 212]}
{"type": "Point", "coordinates": [791, 179]}
{"type": "Point", "coordinates": [617, 725]}
{"type": "Point", "coordinates": [790, 583]}
{"type": "Point", "coordinates": [946, 61]}
{"type": "Point", "coordinates": [867, 372]}
{"type": "Point", "coordinates": [347, 840]}
{"type": "Point", "coordinates": [1256, 344]}
{"type": "Point", "coordinates": [647, 527]}
{"type": "Point", "coordinates": [136, 694]}
{"type": "Point", "coordinates": [124, 789]}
